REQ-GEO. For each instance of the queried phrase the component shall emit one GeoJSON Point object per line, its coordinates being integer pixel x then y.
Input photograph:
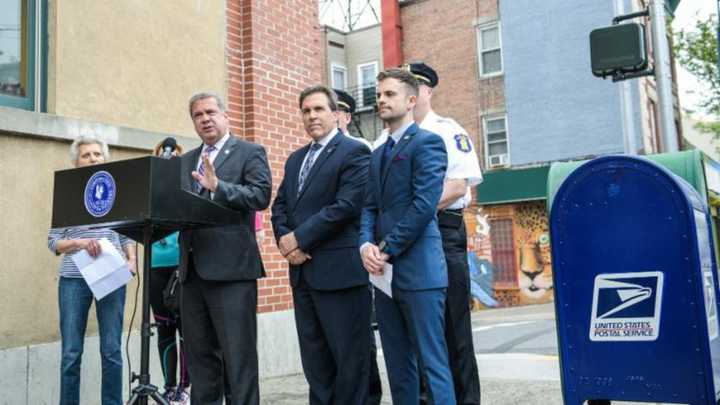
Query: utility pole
{"type": "Point", "coordinates": [663, 76]}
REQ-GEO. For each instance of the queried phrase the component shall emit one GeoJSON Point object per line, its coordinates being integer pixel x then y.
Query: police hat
{"type": "Point", "coordinates": [424, 73]}
{"type": "Point", "coordinates": [345, 101]}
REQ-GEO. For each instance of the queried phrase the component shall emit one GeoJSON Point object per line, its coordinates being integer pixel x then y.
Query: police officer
{"type": "Point", "coordinates": [346, 108]}
{"type": "Point", "coordinates": [462, 173]}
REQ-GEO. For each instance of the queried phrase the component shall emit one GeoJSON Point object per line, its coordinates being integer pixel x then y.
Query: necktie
{"type": "Point", "coordinates": [387, 152]}
{"type": "Point", "coordinates": [308, 164]}
{"type": "Point", "coordinates": [201, 169]}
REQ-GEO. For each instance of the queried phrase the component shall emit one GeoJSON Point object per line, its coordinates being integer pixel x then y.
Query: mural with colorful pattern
{"type": "Point", "coordinates": [531, 268]}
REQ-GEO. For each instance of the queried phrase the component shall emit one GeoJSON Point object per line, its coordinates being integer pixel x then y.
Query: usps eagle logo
{"type": "Point", "coordinates": [100, 192]}
{"type": "Point", "coordinates": [626, 306]}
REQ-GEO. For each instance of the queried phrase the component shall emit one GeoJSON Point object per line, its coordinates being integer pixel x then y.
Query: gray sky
{"type": "Point", "coordinates": [363, 12]}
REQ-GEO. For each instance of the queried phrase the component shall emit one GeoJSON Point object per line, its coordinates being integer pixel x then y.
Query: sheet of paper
{"type": "Point", "coordinates": [111, 282]}
{"type": "Point", "coordinates": [105, 273]}
{"type": "Point", "coordinates": [384, 282]}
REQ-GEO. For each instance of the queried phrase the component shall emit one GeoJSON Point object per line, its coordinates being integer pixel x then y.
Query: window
{"type": "Point", "coordinates": [339, 77]}
{"type": "Point", "coordinates": [489, 50]}
{"type": "Point", "coordinates": [497, 152]}
{"type": "Point", "coordinates": [503, 250]}
{"type": "Point", "coordinates": [18, 45]}
{"type": "Point", "coordinates": [367, 81]}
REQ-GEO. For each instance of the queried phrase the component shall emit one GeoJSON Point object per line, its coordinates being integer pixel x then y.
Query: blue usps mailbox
{"type": "Point", "coordinates": [636, 286]}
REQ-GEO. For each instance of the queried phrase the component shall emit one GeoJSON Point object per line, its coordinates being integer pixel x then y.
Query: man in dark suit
{"type": "Point", "coordinates": [315, 217]}
{"type": "Point", "coordinates": [346, 108]}
{"type": "Point", "coordinates": [399, 228]}
{"type": "Point", "coordinates": [219, 266]}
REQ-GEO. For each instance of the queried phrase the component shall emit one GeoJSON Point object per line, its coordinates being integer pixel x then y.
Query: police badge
{"type": "Point", "coordinates": [463, 143]}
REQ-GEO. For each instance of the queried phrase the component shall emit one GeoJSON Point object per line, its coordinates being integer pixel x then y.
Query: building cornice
{"type": "Point", "coordinates": [40, 125]}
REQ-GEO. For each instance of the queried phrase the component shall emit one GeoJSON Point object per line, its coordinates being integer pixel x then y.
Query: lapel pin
{"type": "Point", "coordinates": [407, 137]}
{"type": "Point", "coordinates": [227, 152]}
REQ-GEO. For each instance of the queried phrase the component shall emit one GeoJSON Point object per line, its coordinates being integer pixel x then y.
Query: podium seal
{"type": "Point", "coordinates": [100, 192]}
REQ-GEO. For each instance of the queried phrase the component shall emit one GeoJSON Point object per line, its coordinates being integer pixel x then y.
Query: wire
{"type": "Point", "coordinates": [132, 319]}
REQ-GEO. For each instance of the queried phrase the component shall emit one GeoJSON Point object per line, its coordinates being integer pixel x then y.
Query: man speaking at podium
{"type": "Point", "coordinates": [219, 266]}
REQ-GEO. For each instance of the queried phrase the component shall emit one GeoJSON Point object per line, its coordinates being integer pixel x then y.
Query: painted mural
{"type": "Point", "coordinates": [532, 260]}
{"type": "Point", "coordinates": [532, 242]}
{"type": "Point", "coordinates": [480, 259]}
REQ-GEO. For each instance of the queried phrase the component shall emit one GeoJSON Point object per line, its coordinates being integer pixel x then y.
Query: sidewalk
{"type": "Point", "coordinates": [505, 378]}
{"type": "Point", "coordinates": [292, 390]}
{"type": "Point", "coordinates": [540, 388]}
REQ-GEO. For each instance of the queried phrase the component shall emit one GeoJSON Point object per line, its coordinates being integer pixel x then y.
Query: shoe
{"type": "Point", "coordinates": [181, 397]}
{"type": "Point", "coordinates": [169, 393]}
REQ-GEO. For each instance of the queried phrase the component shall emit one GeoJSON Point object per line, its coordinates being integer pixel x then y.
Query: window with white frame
{"type": "Point", "coordinates": [490, 50]}
{"type": "Point", "coordinates": [496, 141]}
{"type": "Point", "coordinates": [339, 76]}
{"type": "Point", "coordinates": [367, 83]}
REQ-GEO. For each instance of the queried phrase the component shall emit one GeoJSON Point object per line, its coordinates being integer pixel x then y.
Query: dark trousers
{"type": "Point", "coordinates": [332, 329]}
{"type": "Point", "coordinates": [375, 389]}
{"type": "Point", "coordinates": [220, 329]}
{"type": "Point", "coordinates": [168, 326]}
{"type": "Point", "coordinates": [458, 327]}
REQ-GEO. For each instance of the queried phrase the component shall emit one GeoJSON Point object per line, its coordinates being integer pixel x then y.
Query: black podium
{"type": "Point", "coordinates": [143, 199]}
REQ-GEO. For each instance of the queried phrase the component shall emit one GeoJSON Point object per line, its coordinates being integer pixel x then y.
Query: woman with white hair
{"type": "Point", "coordinates": [75, 297]}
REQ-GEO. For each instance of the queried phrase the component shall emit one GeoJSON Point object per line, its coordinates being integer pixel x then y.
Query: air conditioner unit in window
{"type": "Point", "coordinates": [498, 160]}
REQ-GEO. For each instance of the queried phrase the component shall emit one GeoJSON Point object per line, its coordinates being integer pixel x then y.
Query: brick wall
{"type": "Point", "coordinates": [443, 34]}
{"type": "Point", "coordinates": [273, 52]}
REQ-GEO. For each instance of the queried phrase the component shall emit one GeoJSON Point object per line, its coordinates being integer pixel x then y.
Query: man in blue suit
{"type": "Point", "coordinates": [316, 218]}
{"type": "Point", "coordinates": [399, 227]}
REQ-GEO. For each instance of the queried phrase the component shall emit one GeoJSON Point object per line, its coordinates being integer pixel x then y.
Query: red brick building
{"type": "Point", "coordinates": [516, 76]}
{"type": "Point", "coordinates": [273, 53]}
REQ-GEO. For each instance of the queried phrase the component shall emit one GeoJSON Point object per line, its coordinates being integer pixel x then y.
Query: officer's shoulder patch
{"type": "Point", "coordinates": [462, 142]}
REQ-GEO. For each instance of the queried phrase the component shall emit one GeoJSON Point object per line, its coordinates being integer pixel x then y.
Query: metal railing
{"type": "Point", "coordinates": [365, 96]}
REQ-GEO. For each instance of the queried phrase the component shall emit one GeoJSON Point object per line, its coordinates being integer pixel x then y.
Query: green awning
{"type": "Point", "coordinates": [513, 185]}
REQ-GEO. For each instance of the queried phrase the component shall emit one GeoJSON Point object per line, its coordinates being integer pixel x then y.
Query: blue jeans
{"type": "Point", "coordinates": [74, 299]}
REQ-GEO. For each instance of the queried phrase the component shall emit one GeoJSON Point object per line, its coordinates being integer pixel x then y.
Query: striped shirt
{"type": "Point", "coordinates": [67, 265]}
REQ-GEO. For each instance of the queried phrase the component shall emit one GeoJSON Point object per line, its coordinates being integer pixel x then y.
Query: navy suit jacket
{"type": "Point", "coordinates": [325, 215]}
{"type": "Point", "coordinates": [401, 209]}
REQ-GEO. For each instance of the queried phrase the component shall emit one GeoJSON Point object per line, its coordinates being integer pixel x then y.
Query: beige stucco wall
{"type": "Point", "coordinates": [134, 63]}
{"type": "Point", "coordinates": [28, 280]}
{"type": "Point", "coordinates": [124, 70]}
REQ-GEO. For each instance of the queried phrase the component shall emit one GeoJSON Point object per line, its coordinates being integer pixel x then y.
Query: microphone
{"type": "Point", "coordinates": [168, 147]}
